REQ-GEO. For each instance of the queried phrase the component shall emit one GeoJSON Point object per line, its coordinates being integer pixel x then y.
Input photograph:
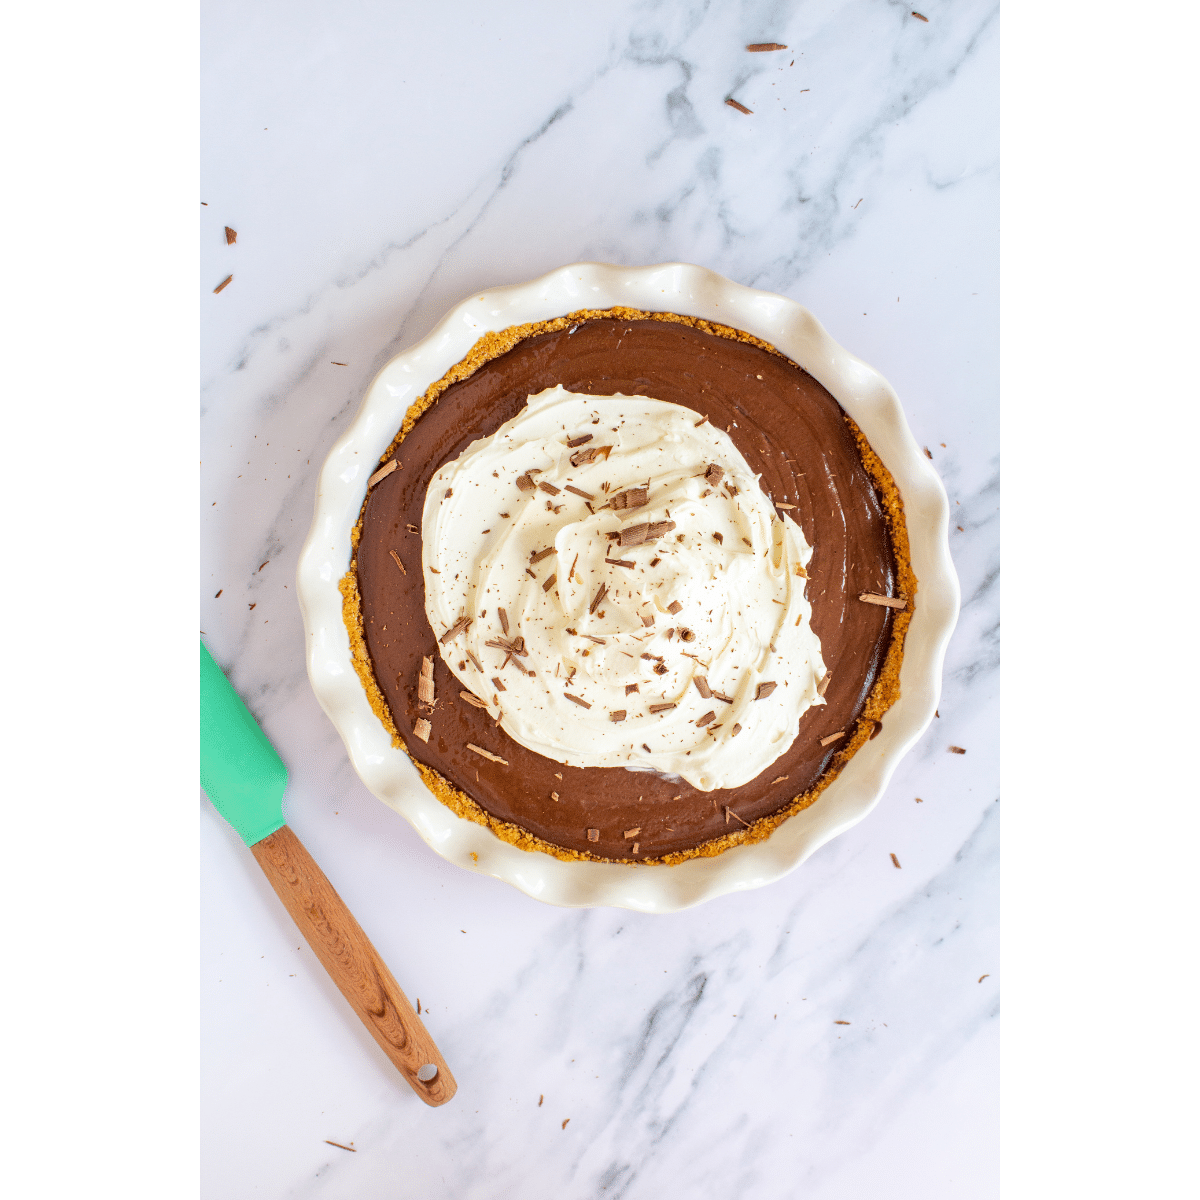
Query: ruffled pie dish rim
{"type": "Point", "coordinates": [390, 404]}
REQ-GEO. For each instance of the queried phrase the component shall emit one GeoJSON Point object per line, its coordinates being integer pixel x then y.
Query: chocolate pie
{"type": "Point", "coordinates": [629, 586]}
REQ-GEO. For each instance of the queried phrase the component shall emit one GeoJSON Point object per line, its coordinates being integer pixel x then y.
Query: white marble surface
{"type": "Point", "coordinates": [379, 163]}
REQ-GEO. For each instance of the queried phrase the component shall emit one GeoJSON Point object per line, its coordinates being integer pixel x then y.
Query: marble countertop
{"type": "Point", "coordinates": [380, 162]}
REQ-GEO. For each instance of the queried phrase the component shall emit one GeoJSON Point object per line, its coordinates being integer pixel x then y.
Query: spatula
{"type": "Point", "coordinates": [245, 779]}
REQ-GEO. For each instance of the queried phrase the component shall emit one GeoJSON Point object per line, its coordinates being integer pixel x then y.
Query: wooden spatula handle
{"type": "Point", "coordinates": [353, 963]}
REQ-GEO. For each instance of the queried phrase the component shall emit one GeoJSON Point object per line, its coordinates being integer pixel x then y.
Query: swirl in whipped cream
{"type": "Point", "coordinates": [610, 580]}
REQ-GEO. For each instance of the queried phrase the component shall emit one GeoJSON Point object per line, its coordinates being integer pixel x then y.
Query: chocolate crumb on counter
{"type": "Point", "coordinates": [740, 107]}
{"type": "Point", "coordinates": [921, 18]}
{"type": "Point", "coordinates": [759, 47]}
{"type": "Point", "coordinates": [383, 472]}
{"type": "Point", "coordinates": [230, 236]}
{"type": "Point", "coordinates": [841, 1022]}
{"type": "Point", "coordinates": [223, 284]}
{"type": "Point", "coordinates": [956, 750]}
{"type": "Point", "coordinates": [927, 452]}
{"type": "Point", "coordinates": [895, 862]}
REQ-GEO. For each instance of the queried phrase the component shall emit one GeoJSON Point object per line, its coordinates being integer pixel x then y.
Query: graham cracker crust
{"type": "Point", "coordinates": [883, 695]}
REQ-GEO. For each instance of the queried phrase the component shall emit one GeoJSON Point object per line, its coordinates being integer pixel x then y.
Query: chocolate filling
{"type": "Point", "coordinates": [790, 430]}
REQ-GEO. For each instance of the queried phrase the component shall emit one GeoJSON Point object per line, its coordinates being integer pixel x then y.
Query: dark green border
{"type": "Point", "coordinates": [1101, 541]}
{"type": "Point", "coordinates": [101, 366]}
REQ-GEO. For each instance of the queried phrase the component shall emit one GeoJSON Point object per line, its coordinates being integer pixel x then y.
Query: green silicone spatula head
{"type": "Point", "coordinates": [245, 779]}
{"type": "Point", "coordinates": [239, 769]}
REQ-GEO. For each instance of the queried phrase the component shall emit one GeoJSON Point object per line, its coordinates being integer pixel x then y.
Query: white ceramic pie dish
{"type": "Point", "coordinates": [669, 287]}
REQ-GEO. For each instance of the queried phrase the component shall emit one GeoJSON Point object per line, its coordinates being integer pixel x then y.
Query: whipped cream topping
{"type": "Point", "coordinates": [605, 574]}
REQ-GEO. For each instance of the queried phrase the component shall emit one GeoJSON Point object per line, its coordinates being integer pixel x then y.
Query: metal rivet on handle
{"type": "Point", "coordinates": [427, 1073]}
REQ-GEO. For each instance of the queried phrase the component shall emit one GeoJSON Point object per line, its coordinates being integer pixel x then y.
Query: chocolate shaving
{"type": "Point", "coordinates": [740, 107]}
{"type": "Point", "coordinates": [601, 592]}
{"type": "Point", "coordinates": [398, 562]}
{"type": "Point", "coordinates": [647, 748]}
{"type": "Point", "coordinates": [888, 601]}
{"type": "Point", "coordinates": [618, 715]}
{"type": "Point", "coordinates": [702, 686]}
{"type": "Point", "coordinates": [660, 668]}
{"type": "Point", "coordinates": [801, 571]}
{"type": "Point", "coordinates": [530, 573]}
{"type": "Point", "coordinates": [730, 813]}
{"type": "Point", "coordinates": [714, 474]}
{"type": "Point", "coordinates": [525, 483]}
{"type": "Point", "coordinates": [921, 18]}
{"type": "Point", "coordinates": [647, 620]}
{"type": "Point", "coordinates": [635, 847]}
{"type": "Point", "coordinates": [580, 492]}
{"type": "Point", "coordinates": [621, 562]}
{"type": "Point", "coordinates": [471, 698]}
{"type": "Point", "coordinates": [896, 862]}
{"type": "Point", "coordinates": [674, 607]}
{"type": "Point", "coordinates": [422, 729]}
{"type": "Point", "coordinates": [578, 441]}
{"type": "Point", "coordinates": [412, 528]}
{"type": "Point", "coordinates": [581, 458]}
{"type": "Point", "coordinates": [475, 662]}
{"type": "Point", "coordinates": [956, 750]}
{"type": "Point", "coordinates": [593, 836]}
{"type": "Point", "coordinates": [779, 780]}
{"type": "Point", "coordinates": [658, 528]}
{"type": "Point", "coordinates": [577, 700]}
{"type": "Point", "coordinates": [382, 473]}
{"type": "Point", "coordinates": [458, 627]}
{"type": "Point", "coordinates": [630, 687]}
{"type": "Point", "coordinates": [657, 708]}
{"type": "Point", "coordinates": [833, 737]}
{"type": "Point", "coordinates": [708, 716]}
{"type": "Point", "coordinates": [503, 620]}
{"type": "Point", "coordinates": [702, 421]}
{"type": "Point", "coordinates": [925, 448]}
{"type": "Point", "coordinates": [722, 696]}
{"type": "Point", "coordinates": [634, 535]}
{"type": "Point", "coordinates": [823, 686]}
{"type": "Point", "coordinates": [637, 497]}
{"type": "Point", "coordinates": [736, 730]}
{"type": "Point", "coordinates": [782, 505]}
{"type": "Point", "coordinates": [549, 488]}
{"type": "Point", "coordinates": [590, 638]}
{"type": "Point", "coordinates": [487, 754]}
{"type": "Point", "coordinates": [425, 692]}
{"type": "Point", "coordinates": [718, 539]}
{"type": "Point", "coordinates": [538, 555]}
{"type": "Point", "coordinates": [230, 236]}
{"type": "Point", "coordinates": [498, 685]}
{"type": "Point", "coordinates": [549, 583]}
{"type": "Point", "coordinates": [758, 47]}
{"type": "Point", "coordinates": [765, 689]}
{"type": "Point", "coordinates": [229, 279]}
{"type": "Point", "coordinates": [632, 833]}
